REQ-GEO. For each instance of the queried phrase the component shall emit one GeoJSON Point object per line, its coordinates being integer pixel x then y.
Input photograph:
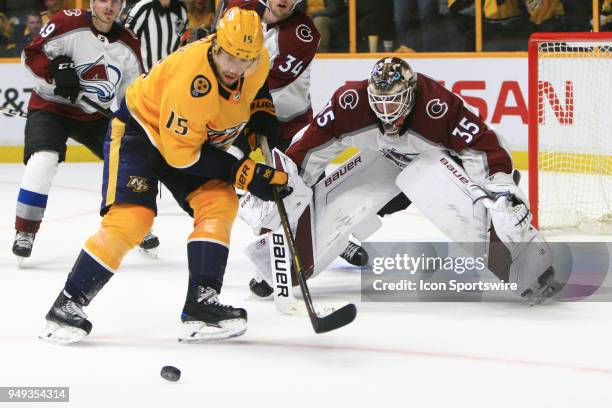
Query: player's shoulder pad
{"type": "Point", "coordinates": [65, 21]}
{"type": "Point", "coordinates": [300, 29]}
{"type": "Point", "coordinates": [351, 96]}
{"type": "Point", "coordinates": [433, 98]}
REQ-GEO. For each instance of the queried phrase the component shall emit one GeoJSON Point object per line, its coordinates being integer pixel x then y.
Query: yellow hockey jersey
{"type": "Point", "coordinates": [181, 105]}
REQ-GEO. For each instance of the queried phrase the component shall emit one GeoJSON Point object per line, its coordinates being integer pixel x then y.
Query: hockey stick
{"type": "Point", "coordinates": [107, 113]}
{"type": "Point", "coordinates": [338, 318]}
{"type": "Point", "coordinates": [13, 112]}
{"type": "Point", "coordinates": [218, 13]}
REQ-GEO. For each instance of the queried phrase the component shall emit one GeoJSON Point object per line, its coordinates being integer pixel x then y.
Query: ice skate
{"type": "Point", "coordinates": [22, 246]}
{"type": "Point", "coordinates": [545, 288]}
{"type": "Point", "coordinates": [260, 288]}
{"type": "Point", "coordinates": [149, 245]}
{"type": "Point", "coordinates": [66, 322]}
{"type": "Point", "coordinates": [355, 255]}
{"type": "Point", "coordinates": [205, 319]}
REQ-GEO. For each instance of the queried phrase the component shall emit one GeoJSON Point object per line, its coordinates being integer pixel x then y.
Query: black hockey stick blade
{"type": "Point", "coordinates": [339, 318]}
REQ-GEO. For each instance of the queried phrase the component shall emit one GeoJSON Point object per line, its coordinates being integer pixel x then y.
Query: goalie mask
{"type": "Point", "coordinates": [392, 90]}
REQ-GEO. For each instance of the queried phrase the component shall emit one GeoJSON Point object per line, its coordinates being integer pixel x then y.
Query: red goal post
{"type": "Point", "coordinates": [570, 129]}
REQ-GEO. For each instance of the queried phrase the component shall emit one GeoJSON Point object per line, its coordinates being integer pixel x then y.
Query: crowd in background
{"type": "Point", "coordinates": [382, 25]}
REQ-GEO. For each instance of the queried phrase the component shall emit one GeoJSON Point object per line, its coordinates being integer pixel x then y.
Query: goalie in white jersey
{"type": "Point", "coordinates": [77, 51]}
{"type": "Point", "coordinates": [418, 144]}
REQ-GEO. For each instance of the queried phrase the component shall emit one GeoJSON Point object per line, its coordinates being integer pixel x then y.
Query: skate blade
{"type": "Point", "coordinates": [61, 335]}
{"type": "Point", "coordinates": [149, 253]}
{"type": "Point", "coordinates": [20, 260]}
{"type": "Point", "coordinates": [200, 332]}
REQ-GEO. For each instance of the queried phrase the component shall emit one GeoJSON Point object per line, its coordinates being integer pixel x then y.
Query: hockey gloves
{"type": "Point", "coordinates": [62, 71]}
{"type": "Point", "coordinates": [259, 179]}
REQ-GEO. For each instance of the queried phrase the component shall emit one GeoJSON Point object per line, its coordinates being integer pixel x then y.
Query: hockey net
{"type": "Point", "coordinates": [570, 130]}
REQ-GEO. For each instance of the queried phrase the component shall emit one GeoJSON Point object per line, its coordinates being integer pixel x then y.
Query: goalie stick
{"type": "Point", "coordinates": [336, 319]}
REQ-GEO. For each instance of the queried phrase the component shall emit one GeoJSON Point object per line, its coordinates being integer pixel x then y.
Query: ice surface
{"type": "Point", "coordinates": [394, 354]}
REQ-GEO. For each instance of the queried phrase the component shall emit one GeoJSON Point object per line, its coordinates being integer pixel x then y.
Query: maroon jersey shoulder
{"type": "Point", "coordinates": [65, 21]}
{"type": "Point", "coordinates": [298, 42]}
{"type": "Point", "coordinates": [61, 23]}
{"type": "Point", "coordinates": [298, 31]}
{"type": "Point", "coordinates": [351, 108]}
{"type": "Point", "coordinates": [441, 117]}
{"type": "Point", "coordinates": [435, 110]}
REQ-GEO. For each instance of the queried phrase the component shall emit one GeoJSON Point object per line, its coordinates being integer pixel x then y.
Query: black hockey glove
{"type": "Point", "coordinates": [264, 124]}
{"type": "Point", "coordinates": [62, 71]}
{"type": "Point", "coordinates": [259, 179]}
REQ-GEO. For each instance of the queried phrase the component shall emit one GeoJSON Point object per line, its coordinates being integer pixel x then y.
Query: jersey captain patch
{"type": "Point", "coordinates": [200, 86]}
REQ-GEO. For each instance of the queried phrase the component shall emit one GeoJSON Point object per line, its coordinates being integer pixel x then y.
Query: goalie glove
{"type": "Point", "coordinates": [507, 207]}
{"type": "Point", "coordinates": [510, 219]}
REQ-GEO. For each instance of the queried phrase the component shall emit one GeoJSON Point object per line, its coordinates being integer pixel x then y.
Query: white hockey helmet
{"type": "Point", "coordinates": [265, 3]}
{"type": "Point", "coordinates": [392, 89]}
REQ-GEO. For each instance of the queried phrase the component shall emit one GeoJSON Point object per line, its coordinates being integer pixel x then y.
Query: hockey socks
{"type": "Point", "coordinates": [207, 261]}
{"type": "Point", "coordinates": [86, 279]}
{"type": "Point", "coordinates": [35, 186]}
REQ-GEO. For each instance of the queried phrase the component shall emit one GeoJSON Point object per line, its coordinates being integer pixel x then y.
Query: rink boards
{"type": "Point", "coordinates": [493, 84]}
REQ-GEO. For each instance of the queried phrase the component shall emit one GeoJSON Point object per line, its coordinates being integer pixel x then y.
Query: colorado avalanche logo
{"type": "Point", "coordinates": [304, 33]}
{"type": "Point", "coordinates": [436, 109]}
{"type": "Point", "coordinates": [100, 79]}
{"type": "Point", "coordinates": [400, 159]}
{"type": "Point", "coordinates": [349, 99]}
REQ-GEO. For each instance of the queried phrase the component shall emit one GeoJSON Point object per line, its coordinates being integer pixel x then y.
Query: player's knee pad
{"type": "Point", "coordinates": [123, 227]}
{"type": "Point", "coordinates": [214, 205]}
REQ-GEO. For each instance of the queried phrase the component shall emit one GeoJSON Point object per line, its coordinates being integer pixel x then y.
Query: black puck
{"type": "Point", "coordinates": [170, 373]}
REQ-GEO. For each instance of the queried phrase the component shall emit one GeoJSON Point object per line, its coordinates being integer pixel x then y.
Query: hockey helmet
{"type": "Point", "coordinates": [239, 33]}
{"type": "Point", "coordinates": [392, 89]}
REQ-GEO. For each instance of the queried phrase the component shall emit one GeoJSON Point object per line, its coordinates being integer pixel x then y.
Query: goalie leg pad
{"type": "Point", "coordinates": [457, 210]}
{"type": "Point", "coordinates": [449, 205]}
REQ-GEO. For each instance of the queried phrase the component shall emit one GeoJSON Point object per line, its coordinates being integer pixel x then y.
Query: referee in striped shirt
{"type": "Point", "coordinates": [159, 25]}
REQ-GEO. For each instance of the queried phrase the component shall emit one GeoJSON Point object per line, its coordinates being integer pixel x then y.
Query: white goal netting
{"type": "Point", "coordinates": [574, 134]}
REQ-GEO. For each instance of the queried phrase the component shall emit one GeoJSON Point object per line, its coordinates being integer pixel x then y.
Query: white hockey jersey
{"type": "Point", "coordinates": [106, 63]}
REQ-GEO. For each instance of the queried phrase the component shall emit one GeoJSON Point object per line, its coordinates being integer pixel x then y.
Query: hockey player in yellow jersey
{"type": "Point", "coordinates": [178, 124]}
